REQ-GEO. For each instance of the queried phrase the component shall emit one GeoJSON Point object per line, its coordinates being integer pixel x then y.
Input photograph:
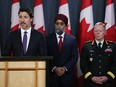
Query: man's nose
{"type": "Point", "coordinates": [22, 19]}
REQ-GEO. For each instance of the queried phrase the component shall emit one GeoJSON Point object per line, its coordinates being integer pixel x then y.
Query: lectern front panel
{"type": "Point", "coordinates": [2, 78]}
{"type": "Point", "coordinates": [23, 74]}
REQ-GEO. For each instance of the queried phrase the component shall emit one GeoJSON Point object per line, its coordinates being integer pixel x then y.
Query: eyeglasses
{"type": "Point", "coordinates": [59, 23]}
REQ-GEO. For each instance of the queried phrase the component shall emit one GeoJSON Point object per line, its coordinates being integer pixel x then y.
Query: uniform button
{"type": "Point", "coordinates": [99, 66]}
{"type": "Point", "coordinates": [99, 55]}
{"type": "Point", "coordinates": [99, 72]}
{"type": "Point", "coordinates": [100, 61]}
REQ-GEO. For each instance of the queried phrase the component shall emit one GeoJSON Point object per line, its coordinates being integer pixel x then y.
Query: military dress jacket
{"type": "Point", "coordinates": [96, 61]}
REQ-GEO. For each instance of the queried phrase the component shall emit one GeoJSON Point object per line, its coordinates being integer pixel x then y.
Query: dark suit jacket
{"type": "Point", "coordinates": [98, 62]}
{"type": "Point", "coordinates": [67, 57]}
{"type": "Point", "coordinates": [14, 44]}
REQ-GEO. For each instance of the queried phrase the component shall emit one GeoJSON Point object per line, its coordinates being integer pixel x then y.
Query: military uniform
{"type": "Point", "coordinates": [98, 62]}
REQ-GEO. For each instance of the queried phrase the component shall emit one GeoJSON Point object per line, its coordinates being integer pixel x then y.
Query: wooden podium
{"type": "Point", "coordinates": [24, 71]}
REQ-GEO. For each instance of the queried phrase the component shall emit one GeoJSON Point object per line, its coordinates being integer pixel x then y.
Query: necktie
{"type": "Point", "coordinates": [99, 45]}
{"type": "Point", "coordinates": [60, 43]}
{"type": "Point", "coordinates": [25, 41]}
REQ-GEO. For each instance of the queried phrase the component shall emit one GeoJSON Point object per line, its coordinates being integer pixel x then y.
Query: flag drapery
{"type": "Point", "coordinates": [14, 14]}
{"type": "Point", "coordinates": [110, 21]}
{"type": "Point", "coordinates": [51, 7]}
{"type": "Point", "coordinates": [64, 9]}
{"type": "Point", "coordinates": [85, 31]}
{"type": "Point", "coordinates": [86, 22]}
{"type": "Point", "coordinates": [39, 16]}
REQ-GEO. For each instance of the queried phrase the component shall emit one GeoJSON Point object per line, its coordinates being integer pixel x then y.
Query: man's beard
{"type": "Point", "coordinates": [59, 31]}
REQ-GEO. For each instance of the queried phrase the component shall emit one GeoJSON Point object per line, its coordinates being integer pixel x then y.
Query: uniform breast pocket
{"type": "Point", "coordinates": [107, 56]}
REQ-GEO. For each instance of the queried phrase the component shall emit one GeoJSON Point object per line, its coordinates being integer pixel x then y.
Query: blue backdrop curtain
{"type": "Point", "coordinates": [50, 11]}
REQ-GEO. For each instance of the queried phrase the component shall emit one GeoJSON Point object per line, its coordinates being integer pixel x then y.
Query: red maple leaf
{"type": "Point", "coordinates": [83, 34]}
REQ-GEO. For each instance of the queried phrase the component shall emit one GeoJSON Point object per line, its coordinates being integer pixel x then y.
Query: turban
{"type": "Point", "coordinates": [61, 17]}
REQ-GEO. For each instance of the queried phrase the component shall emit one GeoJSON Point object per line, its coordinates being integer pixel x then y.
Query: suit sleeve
{"type": "Point", "coordinates": [7, 48]}
{"type": "Point", "coordinates": [42, 46]}
{"type": "Point", "coordinates": [112, 72]}
{"type": "Point", "coordinates": [74, 56]}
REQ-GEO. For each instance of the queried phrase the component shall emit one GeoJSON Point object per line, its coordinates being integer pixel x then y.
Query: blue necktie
{"type": "Point", "coordinates": [25, 41]}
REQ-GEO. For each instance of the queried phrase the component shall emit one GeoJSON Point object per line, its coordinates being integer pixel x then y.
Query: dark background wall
{"type": "Point", "coordinates": [50, 11]}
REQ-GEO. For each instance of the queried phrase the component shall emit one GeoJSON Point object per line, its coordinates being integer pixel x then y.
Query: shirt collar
{"type": "Point", "coordinates": [57, 35]}
{"type": "Point", "coordinates": [28, 31]}
{"type": "Point", "coordinates": [99, 42]}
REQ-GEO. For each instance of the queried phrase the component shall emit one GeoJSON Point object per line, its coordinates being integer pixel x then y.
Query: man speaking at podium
{"type": "Point", "coordinates": [25, 41]}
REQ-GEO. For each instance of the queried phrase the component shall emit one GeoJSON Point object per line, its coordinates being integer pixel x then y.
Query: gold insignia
{"type": "Point", "coordinates": [108, 46]}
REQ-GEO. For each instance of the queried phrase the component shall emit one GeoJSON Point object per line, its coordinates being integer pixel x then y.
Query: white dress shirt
{"type": "Point", "coordinates": [28, 36]}
{"type": "Point", "coordinates": [58, 39]}
{"type": "Point", "coordinates": [100, 42]}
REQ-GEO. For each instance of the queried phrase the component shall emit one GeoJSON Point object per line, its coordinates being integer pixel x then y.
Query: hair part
{"type": "Point", "coordinates": [28, 10]}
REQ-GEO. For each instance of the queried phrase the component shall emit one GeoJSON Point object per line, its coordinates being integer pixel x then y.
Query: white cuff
{"type": "Point", "coordinates": [65, 68]}
{"type": "Point", "coordinates": [53, 69]}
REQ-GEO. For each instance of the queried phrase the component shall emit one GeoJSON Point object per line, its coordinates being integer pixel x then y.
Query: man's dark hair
{"type": "Point", "coordinates": [28, 10]}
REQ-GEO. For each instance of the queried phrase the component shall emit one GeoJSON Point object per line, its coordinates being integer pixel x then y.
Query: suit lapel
{"type": "Point", "coordinates": [31, 41]}
{"type": "Point", "coordinates": [55, 43]}
{"type": "Point", "coordinates": [19, 40]}
{"type": "Point", "coordinates": [65, 41]}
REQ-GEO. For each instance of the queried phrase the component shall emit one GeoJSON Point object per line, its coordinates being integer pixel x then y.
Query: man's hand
{"type": "Point", "coordinates": [103, 79]}
{"type": "Point", "coordinates": [99, 80]}
{"type": "Point", "coordinates": [96, 80]}
{"type": "Point", "coordinates": [59, 71]}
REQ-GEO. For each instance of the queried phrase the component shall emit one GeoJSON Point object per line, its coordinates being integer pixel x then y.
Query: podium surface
{"type": "Point", "coordinates": [23, 71]}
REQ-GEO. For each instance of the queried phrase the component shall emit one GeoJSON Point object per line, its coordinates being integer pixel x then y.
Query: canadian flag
{"type": "Point", "coordinates": [64, 9]}
{"type": "Point", "coordinates": [85, 31]}
{"type": "Point", "coordinates": [39, 16]}
{"type": "Point", "coordinates": [14, 15]}
{"type": "Point", "coordinates": [110, 21]}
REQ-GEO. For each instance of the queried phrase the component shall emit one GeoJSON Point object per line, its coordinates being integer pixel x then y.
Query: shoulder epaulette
{"type": "Point", "coordinates": [88, 41]}
{"type": "Point", "coordinates": [110, 41]}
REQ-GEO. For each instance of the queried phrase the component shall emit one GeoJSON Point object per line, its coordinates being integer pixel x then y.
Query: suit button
{"type": "Point", "coordinates": [108, 54]}
{"type": "Point", "coordinates": [99, 55]}
{"type": "Point", "coordinates": [99, 66]}
{"type": "Point", "coordinates": [100, 61]}
{"type": "Point", "coordinates": [99, 72]}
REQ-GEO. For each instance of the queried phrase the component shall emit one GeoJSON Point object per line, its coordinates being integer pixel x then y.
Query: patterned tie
{"type": "Point", "coordinates": [25, 41]}
{"type": "Point", "coordinates": [60, 43]}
